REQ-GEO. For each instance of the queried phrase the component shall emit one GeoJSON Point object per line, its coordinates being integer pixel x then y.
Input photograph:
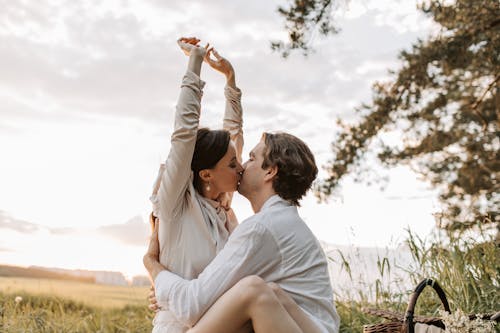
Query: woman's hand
{"type": "Point", "coordinates": [153, 303]}
{"type": "Point", "coordinates": [220, 63]}
{"type": "Point", "coordinates": [225, 199]}
{"type": "Point", "coordinates": [151, 259]}
{"type": "Point", "coordinates": [189, 45]}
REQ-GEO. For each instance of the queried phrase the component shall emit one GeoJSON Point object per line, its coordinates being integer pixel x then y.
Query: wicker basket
{"type": "Point", "coordinates": [400, 323]}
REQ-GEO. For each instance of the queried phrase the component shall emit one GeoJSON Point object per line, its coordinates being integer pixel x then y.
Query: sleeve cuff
{"type": "Point", "coordinates": [163, 283]}
{"type": "Point", "coordinates": [232, 93]}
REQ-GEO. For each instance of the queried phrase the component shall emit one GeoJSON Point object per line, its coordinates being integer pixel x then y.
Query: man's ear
{"type": "Point", "coordinates": [271, 172]}
{"type": "Point", "coordinates": [205, 175]}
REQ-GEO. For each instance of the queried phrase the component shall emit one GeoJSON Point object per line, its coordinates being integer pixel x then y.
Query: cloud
{"type": "Point", "coordinates": [119, 59]}
{"type": "Point", "coordinates": [133, 232]}
{"type": "Point", "coordinates": [62, 231]}
{"type": "Point", "coordinates": [8, 222]}
{"type": "Point", "coordinates": [5, 249]}
{"type": "Point", "coordinates": [96, 61]}
{"type": "Point", "coordinates": [25, 227]}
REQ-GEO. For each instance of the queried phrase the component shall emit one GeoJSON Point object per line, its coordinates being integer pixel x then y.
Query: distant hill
{"type": "Point", "coordinates": [141, 280]}
{"type": "Point", "coordinates": [40, 273]}
{"type": "Point", "coordinates": [100, 277]}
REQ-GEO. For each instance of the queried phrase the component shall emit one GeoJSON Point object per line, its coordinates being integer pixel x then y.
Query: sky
{"type": "Point", "coordinates": [87, 97]}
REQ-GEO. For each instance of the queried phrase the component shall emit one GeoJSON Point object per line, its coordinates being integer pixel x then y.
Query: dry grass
{"type": "Point", "coordinates": [88, 293]}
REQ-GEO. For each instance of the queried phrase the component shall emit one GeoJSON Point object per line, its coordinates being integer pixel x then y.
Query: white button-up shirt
{"type": "Point", "coordinates": [274, 244]}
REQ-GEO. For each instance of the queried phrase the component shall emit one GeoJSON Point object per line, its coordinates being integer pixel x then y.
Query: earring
{"type": "Point", "coordinates": [207, 188]}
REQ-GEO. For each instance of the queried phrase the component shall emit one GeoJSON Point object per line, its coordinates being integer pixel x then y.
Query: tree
{"type": "Point", "coordinates": [444, 105]}
{"type": "Point", "coordinates": [303, 18]}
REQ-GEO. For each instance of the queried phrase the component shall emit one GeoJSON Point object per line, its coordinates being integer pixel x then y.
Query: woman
{"type": "Point", "coordinates": [190, 196]}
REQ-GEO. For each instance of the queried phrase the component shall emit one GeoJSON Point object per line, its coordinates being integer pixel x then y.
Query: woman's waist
{"type": "Point", "coordinates": [188, 260]}
{"type": "Point", "coordinates": [165, 321]}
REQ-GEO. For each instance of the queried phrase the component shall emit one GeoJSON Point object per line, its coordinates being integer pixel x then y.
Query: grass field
{"type": "Point", "coordinates": [45, 305]}
{"type": "Point", "coordinates": [88, 293]}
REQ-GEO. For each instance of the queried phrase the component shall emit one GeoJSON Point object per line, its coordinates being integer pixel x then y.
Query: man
{"type": "Point", "coordinates": [274, 245]}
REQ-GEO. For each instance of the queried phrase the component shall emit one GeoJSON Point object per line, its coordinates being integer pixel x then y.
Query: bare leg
{"type": "Point", "coordinates": [250, 299]}
{"type": "Point", "coordinates": [268, 307]}
{"type": "Point", "coordinates": [294, 310]}
{"type": "Point", "coordinates": [247, 328]}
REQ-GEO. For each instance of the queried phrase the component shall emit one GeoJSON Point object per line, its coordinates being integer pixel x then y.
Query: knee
{"type": "Point", "coordinates": [252, 284]}
{"type": "Point", "coordinates": [254, 290]}
{"type": "Point", "coordinates": [274, 287]}
{"type": "Point", "coordinates": [282, 295]}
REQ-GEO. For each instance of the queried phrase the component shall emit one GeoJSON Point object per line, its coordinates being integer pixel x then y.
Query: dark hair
{"type": "Point", "coordinates": [296, 166]}
{"type": "Point", "coordinates": [211, 146]}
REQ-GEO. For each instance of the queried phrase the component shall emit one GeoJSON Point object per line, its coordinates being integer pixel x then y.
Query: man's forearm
{"type": "Point", "coordinates": [251, 250]}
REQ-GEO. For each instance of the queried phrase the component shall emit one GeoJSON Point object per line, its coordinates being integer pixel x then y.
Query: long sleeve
{"type": "Point", "coordinates": [251, 250]}
{"type": "Point", "coordinates": [156, 186]}
{"type": "Point", "coordinates": [175, 178]}
{"type": "Point", "coordinates": [233, 117]}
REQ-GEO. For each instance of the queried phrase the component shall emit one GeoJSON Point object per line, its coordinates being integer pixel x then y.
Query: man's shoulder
{"type": "Point", "coordinates": [250, 225]}
{"type": "Point", "coordinates": [274, 219]}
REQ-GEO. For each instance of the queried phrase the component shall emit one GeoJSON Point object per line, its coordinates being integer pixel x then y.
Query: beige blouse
{"type": "Point", "coordinates": [192, 228]}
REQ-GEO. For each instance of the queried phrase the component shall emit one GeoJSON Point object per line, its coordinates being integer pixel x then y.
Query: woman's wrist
{"type": "Point", "coordinates": [152, 266]}
{"type": "Point", "coordinates": [231, 79]}
{"type": "Point", "coordinates": [195, 61]}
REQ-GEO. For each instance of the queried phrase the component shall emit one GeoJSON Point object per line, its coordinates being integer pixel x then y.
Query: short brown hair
{"type": "Point", "coordinates": [296, 166]}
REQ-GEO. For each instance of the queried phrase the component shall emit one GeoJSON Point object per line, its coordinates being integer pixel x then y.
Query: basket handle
{"type": "Point", "coordinates": [410, 325]}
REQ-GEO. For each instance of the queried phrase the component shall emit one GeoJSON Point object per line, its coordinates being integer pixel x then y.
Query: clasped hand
{"type": "Point", "coordinates": [191, 45]}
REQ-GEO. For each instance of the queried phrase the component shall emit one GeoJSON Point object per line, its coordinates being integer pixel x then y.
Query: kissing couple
{"type": "Point", "coordinates": [211, 274]}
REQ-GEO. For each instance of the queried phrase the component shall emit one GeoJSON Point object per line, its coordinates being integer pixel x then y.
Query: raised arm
{"type": "Point", "coordinates": [233, 119]}
{"type": "Point", "coordinates": [233, 115]}
{"type": "Point", "coordinates": [175, 178]}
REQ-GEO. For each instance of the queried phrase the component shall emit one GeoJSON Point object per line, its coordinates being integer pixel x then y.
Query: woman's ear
{"type": "Point", "coordinates": [205, 175]}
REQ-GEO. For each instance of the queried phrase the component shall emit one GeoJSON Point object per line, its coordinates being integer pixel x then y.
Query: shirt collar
{"type": "Point", "coordinates": [273, 201]}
